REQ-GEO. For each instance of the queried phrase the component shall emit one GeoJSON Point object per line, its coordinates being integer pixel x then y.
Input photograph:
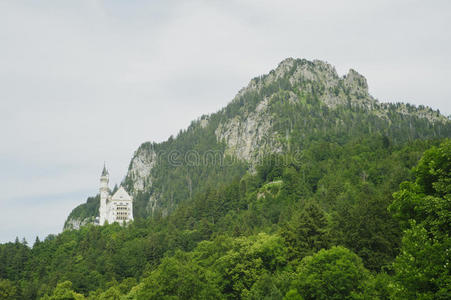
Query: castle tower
{"type": "Point", "coordinates": [104, 193]}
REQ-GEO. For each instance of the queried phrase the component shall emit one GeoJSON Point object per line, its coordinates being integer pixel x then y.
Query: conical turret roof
{"type": "Point", "coordinates": [105, 171]}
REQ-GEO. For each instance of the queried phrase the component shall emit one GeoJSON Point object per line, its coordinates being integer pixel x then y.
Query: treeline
{"type": "Point", "coordinates": [335, 222]}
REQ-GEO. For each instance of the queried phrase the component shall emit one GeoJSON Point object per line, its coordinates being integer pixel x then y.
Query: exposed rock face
{"type": "Point", "coordinates": [334, 90]}
{"type": "Point", "coordinates": [154, 205]}
{"type": "Point", "coordinates": [247, 137]}
{"type": "Point", "coordinates": [320, 76]}
{"type": "Point", "coordinates": [203, 122]}
{"type": "Point", "coordinates": [140, 168]}
{"type": "Point", "coordinates": [356, 83]}
{"type": "Point", "coordinates": [77, 223]}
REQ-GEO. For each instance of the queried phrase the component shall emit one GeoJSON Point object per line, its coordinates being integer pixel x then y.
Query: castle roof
{"type": "Point", "coordinates": [121, 195]}
{"type": "Point", "coordinates": [105, 171]}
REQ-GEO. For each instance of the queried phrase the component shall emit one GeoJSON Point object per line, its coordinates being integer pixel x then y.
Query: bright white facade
{"type": "Point", "coordinates": [114, 208]}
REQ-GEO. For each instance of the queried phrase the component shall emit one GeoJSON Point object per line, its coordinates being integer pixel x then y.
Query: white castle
{"type": "Point", "coordinates": [114, 208]}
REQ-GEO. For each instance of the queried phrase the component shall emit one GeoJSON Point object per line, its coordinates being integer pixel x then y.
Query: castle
{"type": "Point", "coordinates": [114, 208]}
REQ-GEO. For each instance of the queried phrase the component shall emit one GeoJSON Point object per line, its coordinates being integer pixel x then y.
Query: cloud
{"type": "Point", "coordinates": [87, 81]}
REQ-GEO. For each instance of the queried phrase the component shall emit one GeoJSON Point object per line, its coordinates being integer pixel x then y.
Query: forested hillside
{"type": "Point", "coordinates": [303, 187]}
{"type": "Point", "coordinates": [325, 227]}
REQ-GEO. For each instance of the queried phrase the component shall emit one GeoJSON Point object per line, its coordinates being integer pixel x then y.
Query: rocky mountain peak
{"type": "Point", "coordinates": [356, 83]}
{"type": "Point", "coordinates": [309, 77]}
{"type": "Point", "coordinates": [301, 70]}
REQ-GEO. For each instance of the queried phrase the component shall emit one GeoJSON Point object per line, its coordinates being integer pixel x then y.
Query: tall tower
{"type": "Point", "coordinates": [104, 192]}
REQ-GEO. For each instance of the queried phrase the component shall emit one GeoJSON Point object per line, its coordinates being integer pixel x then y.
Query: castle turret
{"type": "Point", "coordinates": [104, 193]}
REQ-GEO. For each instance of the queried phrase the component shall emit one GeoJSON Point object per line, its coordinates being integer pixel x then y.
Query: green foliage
{"type": "Point", "coordinates": [7, 290]}
{"type": "Point", "coordinates": [178, 277]}
{"type": "Point", "coordinates": [113, 293]}
{"type": "Point", "coordinates": [422, 270]}
{"type": "Point", "coordinates": [63, 291]}
{"type": "Point", "coordinates": [367, 228]}
{"type": "Point", "coordinates": [293, 295]}
{"type": "Point", "coordinates": [434, 169]}
{"type": "Point", "coordinates": [336, 273]}
{"type": "Point", "coordinates": [266, 287]}
{"type": "Point", "coordinates": [307, 232]}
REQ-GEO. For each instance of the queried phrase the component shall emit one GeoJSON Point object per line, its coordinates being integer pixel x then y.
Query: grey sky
{"type": "Point", "coordinates": [82, 82]}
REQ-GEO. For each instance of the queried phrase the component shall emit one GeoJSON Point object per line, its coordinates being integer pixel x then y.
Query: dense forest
{"type": "Point", "coordinates": [338, 196]}
{"type": "Point", "coordinates": [361, 220]}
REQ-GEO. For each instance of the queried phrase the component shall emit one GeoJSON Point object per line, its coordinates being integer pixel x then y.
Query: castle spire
{"type": "Point", "coordinates": [105, 171]}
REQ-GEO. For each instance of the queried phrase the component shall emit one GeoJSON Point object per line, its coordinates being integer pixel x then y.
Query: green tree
{"type": "Point", "coordinates": [293, 295]}
{"type": "Point", "coordinates": [113, 293]}
{"type": "Point", "coordinates": [307, 232]}
{"type": "Point", "coordinates": [178, 277]}
{"type": "Point", "coordinates": [422, 269]}
{"type": "Point", "coordinates": [63, 291]}
{"type": "Point", "coordinates": [7, 290]}
{"type": "Point", "coordinates": [265, 288]}
{"type": "Point", "coordinates": [368, 229]}
{"type": "Point", "coordinates": [336, 273]}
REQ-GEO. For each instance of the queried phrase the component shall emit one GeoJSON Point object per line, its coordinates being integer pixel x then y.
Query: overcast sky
{"type": "Point", "coordinates": [83, 82]}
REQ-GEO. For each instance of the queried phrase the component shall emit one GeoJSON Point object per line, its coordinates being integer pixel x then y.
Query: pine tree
{"type": "Point", "coordinates": [307, 232]}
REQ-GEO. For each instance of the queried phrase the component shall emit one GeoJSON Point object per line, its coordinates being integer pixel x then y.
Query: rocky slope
{"type": "Point", "coordinates": [300, 100]}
